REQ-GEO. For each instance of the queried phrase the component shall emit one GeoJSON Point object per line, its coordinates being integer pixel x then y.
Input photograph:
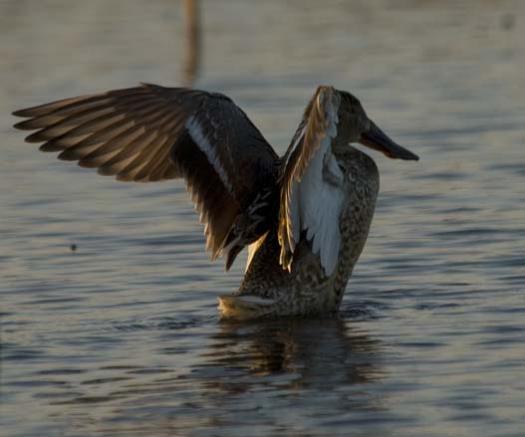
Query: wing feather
{"type": "Point", "coordinates": [151, 133]}
{"type": "Point", "coordinates": [310, 203]}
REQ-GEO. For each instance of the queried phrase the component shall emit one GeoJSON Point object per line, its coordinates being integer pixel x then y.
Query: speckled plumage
{"type": "Point", "coordinates": [307, 290]}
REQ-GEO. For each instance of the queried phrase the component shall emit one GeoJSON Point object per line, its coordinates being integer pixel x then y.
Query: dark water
{"type": "Point", "coordinates": [121, 337]}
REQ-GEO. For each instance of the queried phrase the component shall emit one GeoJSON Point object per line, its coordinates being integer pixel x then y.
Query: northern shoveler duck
{"type": "Point", "coordinates": [304, 217]}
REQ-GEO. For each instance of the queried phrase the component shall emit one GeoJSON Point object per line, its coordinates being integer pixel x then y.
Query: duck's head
{"type": "Point", "coordinates": [356, 127]}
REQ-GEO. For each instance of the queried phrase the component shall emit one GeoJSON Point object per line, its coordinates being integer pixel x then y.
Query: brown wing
{"type": "Point", "coordinates": [152, 133]}
{"type": "Point", "coordinates": [310, 201]}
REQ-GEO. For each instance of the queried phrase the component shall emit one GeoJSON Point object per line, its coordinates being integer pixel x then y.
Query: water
{"type": "Point", "coordinates": [121, 336]}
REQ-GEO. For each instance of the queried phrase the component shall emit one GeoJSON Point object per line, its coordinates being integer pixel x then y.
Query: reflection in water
{"type": "Point", "coordinates": [261, 376]}
{"type": "Point", "coordinates": [322, 354]}
{"type": "Point", "coordinates": [193, 41]}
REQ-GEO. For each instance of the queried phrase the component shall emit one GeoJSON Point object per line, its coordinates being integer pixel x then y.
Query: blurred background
{"type": "Point", "coordinates": [121, 335]}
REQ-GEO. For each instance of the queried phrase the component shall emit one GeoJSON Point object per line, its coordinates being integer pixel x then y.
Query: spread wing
{"type": "Point", "coordinates": [152, 133]}
{"type": "Point", "coordinates": [311, 198]}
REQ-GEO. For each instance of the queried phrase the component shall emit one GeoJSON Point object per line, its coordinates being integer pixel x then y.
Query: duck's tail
{"type": "Point", "coordinates": [245, 307]}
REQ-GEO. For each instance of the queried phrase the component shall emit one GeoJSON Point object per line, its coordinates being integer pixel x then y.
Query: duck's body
{"type": "Point", "coordinates": [269, 290]}
{"type": "Point", "coordinates": [305, 216]}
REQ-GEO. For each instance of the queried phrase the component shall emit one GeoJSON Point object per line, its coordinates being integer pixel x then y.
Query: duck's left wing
{"type": "Point", "coordinates": [311, 197]}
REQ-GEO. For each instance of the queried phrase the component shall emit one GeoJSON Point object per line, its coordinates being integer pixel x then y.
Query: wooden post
{"type": "Point", "coordinates": [193, 41]}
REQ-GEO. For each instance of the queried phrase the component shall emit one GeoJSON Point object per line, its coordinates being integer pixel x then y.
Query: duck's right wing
{"type": "Point", "coordinates": [311, 199]}
{"type": "Point", "coordinates": [151, 133]}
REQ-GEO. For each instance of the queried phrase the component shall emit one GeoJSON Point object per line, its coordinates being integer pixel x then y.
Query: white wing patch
{"type": "Point", "coordinates": [198, 137]}
{"type": "Point", "coordinates": [316, 202]}
{"type": "Point", "coordinates": [319, 205]}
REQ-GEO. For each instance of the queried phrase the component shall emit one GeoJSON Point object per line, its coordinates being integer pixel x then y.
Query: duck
{"type": "Point", "coordinates": [304, 217]}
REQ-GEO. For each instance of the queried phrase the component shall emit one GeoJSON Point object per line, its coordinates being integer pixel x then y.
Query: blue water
{"type": "Point", "coordinates": [122, 337]}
